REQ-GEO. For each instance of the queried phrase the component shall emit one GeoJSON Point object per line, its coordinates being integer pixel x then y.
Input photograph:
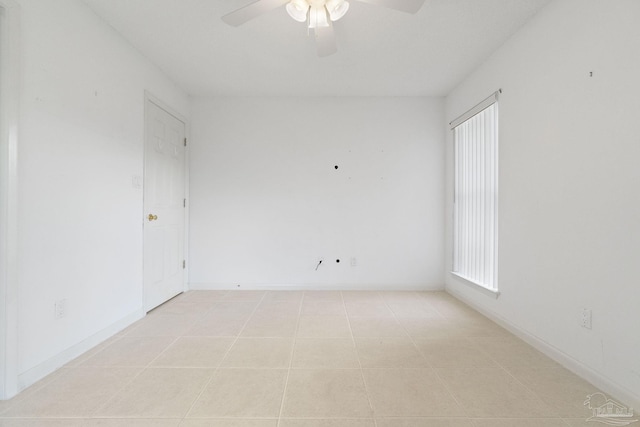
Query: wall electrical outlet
{"type": "Point", "coordinates": [60, 309]}
{"type": "Point", "coordinates": [354, 261]}
{"type": "Point", "coordinates": [585, 320]}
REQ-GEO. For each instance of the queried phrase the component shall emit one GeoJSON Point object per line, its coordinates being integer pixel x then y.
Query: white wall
{"type": "Point", "coordinates": [569, 185]}
{"type": "Point", "coordinates": [267, 202]}
{"type": "Point", "coordinates": [80, 145]}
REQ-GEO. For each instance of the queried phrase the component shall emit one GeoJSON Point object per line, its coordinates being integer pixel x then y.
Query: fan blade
{"type": "Point", "coordinates": [409, 6]}
{"type": "Point", "coordinates": [325, 41]}
{"type": "Point", "coordinates": [252, 10]}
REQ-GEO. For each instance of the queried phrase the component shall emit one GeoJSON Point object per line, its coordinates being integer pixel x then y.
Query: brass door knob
{"type": "Point", "coordinates": [152, 217]}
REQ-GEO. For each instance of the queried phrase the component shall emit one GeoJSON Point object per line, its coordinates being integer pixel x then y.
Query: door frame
{"type": "Point", "coordinates": [9, 106]}
{"type": "Point", "coordinates": [150, 98]}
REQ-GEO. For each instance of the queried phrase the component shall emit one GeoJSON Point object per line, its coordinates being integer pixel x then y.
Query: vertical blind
{"type": "Point", "coordinates": [476, 196]}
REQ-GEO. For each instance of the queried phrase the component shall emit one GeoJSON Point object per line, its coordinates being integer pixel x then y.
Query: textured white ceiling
{"type": "Point", "coordinates": [381, 52]}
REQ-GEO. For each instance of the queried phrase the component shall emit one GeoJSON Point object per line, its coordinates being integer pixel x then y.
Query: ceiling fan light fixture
{"type": "Point", "coordinates": [297, 9]}
{"type": "Point", "coordinates": [337, 8]}
{"type": "Point", "coordinates": [318, 17]}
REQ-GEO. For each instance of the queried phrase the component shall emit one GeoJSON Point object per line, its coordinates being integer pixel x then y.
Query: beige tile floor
{"type": "Point", "coordinates": [307, 359]}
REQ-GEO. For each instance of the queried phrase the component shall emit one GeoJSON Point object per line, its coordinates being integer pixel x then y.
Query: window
{"type": "Point", "coordinates": [475, 224]}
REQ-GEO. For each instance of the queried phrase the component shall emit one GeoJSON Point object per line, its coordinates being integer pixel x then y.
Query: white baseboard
{"type": "Point", "coordinates": [45, 368]}
{"type": "Point", "coordinates": [316, 287]}
{"type": "Point", "coordinates": [619, 393]}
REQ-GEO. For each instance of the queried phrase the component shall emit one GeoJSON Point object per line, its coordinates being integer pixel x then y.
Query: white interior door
{"type": "Point", "coordinates": [164, 195]}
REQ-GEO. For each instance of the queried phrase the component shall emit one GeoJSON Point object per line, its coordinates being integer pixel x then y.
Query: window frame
{"type": "Point", "coordinates": [480, 211]}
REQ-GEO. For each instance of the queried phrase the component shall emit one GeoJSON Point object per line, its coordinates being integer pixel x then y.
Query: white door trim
{"type": "Point", "coordinates": [9, 106]}
{"type": "Point", "coordinates": [149, 97]}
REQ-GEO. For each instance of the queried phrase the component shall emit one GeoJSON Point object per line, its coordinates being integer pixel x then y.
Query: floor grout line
{"type": "Point", "coordinates": [213, 374]}
{"type": "Point", "coordinates": [364, 383]}
{"type": "Point", "coordinates": [429, 363]}
{"type": "Point", "coordinates": [338, 308]}
{"type": "Point", "coordinates": [293, 349]}
{"type": "Point", "coordinates": [143, 369]}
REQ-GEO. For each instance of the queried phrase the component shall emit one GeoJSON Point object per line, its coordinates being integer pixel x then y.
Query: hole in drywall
{"type": "Point", "coordinates": [336, 167]}
{"type": "Point", "coordinates": [338, 260]}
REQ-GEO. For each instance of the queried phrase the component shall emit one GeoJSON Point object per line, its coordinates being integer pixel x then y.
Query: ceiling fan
{"type": "Point", "coordinates": [318, 14]}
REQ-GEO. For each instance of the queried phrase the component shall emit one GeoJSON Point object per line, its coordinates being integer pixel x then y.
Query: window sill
{"type": "Point", "coordinates": [494, 293]}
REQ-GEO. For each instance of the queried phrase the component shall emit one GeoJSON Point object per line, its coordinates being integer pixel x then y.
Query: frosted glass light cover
{"type": "Point", "coordinates": [337, 8]}
{"type": "Point", "coordinates": [297, 9]}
